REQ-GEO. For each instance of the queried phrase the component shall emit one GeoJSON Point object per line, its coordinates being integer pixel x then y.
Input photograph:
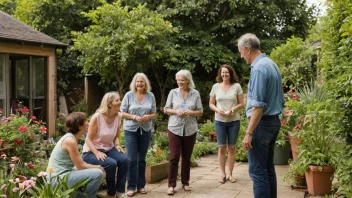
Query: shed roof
{"type": "Point", "coordinates": [13, 30]}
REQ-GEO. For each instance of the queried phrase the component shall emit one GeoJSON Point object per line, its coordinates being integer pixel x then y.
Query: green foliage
{"type": "Point", "coordinates": [121, 42]}
{"type": "Point", "coordinates": [202, 148]}
{"type": "Point", "coordinates": [336, 56]}
{"type": "Point", "coordinates": [344, 172]}
{"type": "Point", "coordinates": [294, 59]}
{"type": "Point", "coordinates": [296, 169]}
{"type": "Point", "coordinates": [241, 153]}
{"type": "Point", "coordinates": [61, 189]}
{"type": "Point", "coordinates": [8, 6]}
{"type": "Point", "coordinates": [207, 127]}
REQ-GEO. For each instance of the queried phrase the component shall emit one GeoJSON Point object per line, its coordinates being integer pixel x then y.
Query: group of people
{"type": "Point", "coordinates": [104, 156]}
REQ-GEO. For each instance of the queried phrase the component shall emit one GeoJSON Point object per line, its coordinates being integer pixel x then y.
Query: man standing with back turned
{"type": "Point", "coordinates": [264, 104]}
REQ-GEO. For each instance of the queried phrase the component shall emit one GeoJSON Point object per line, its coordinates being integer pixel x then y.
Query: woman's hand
{"type": "Point", "coordinates": [179, 113]}
{"type": "Point", "coordinates": [221, 112]}
{"type": "Point", "coordinates": [145, 118]}
{"type": "Point", "coordinates": [187, 113]}
{"type": "Point", "coordinates": [120, 149]}
{"type": "Point", "coordinates": [100, 155]}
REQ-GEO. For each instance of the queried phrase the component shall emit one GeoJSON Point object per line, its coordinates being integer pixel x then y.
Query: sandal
{"type": "Point", "coordinates": [141, 190]}
{"type": "Point", "coordinates": [186, 188]}
{"type": "Point", "coordinates": [232, 180]}
{"type": "Point", "coordinates": [130, 193]}
{"type": "Point", "coordinates": [222, 180]}
{"type": "Point", "coordinates": [171, 191]}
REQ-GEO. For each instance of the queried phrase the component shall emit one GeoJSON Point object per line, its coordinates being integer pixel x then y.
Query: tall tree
{"type": "Point", "coordinates": [121, 42]}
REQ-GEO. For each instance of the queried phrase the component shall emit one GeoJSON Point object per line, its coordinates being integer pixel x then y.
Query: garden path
{"type": "Point", "coordinates": [204, 183]}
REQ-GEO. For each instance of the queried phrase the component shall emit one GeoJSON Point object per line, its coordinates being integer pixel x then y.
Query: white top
{"type": "Point", "coordinates": [226, 101]}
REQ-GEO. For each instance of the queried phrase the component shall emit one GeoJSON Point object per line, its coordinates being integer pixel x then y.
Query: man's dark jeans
{"type": "Point", "coordinates": [261, 159]}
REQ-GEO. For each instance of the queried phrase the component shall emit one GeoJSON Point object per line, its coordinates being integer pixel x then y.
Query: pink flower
{"type": "Point", "coordinates": [28, 183]}
{"type": "Point", "coordinates": [43, 129]}
{"type": "Point", "coordinates": [14, 158]}
{"type": "Point", "coordinates": [24, 110]}
{"type": "Point", "coordinates": [42, 174]}
{"type": "Point", "coordinates": [12, 115]}
{"type": "Point", "coordinates": [295, 97]}
{"type": "Point", "coordinates": [23, 128]}
{"type": "Point", "coordinates": [290, 92]}
{"type": "Point", "coordinates": [12, 166]}
{"type": "Point", "coordinates": [33, 118]}
{"type": "Point", "coordinates": [17, 180]}
{"type": "Point", "coordinates": [15, 189]}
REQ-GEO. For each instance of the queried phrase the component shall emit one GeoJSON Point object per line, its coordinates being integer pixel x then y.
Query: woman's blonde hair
{"type": "Point", "coordinates": [187, 74]}
{"type": "Point", "coordinates": [147, 82]}
{"type": "Point", "coordinates": [105, 104]}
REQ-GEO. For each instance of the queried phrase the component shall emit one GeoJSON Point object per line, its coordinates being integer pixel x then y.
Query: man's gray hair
{"type": "Point", "coordinates": [249, 40]}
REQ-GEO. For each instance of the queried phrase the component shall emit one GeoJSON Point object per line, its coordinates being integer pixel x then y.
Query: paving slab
{"type": "Point", "coordinates": [204, 183]}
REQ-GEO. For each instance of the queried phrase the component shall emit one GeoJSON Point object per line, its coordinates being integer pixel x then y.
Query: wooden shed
{"type": "Point", "coordinates": [28, 70]}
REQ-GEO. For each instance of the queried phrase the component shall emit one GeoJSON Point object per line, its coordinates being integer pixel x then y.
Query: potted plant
{"type": "Point", "coordinates": [321, 127]}
{"type": "Point", "coordinates": [282, 146]}
{"type": "Point", "coordinates": [296, 174]}
{"type": "Point", "coordinates": [208, 129]}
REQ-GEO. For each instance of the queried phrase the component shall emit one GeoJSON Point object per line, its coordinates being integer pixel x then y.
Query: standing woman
{"type": "Point", "coordinates": [138, 109]}
{"type": "Point", "coordinates": [183, 105]}
{"type": "Point", "coordinates": [102, 146]}
{"type": "Point", "coordinates": [65, 156]}
{"type": "Point", "coordinates": [225, 100]}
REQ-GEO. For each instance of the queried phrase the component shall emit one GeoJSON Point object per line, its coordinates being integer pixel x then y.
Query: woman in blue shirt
{"type": "Point", "coordinates": [138, 109]}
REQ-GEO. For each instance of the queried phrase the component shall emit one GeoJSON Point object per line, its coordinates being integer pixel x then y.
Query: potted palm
{"type": "Point", "coordinates": [321, 127]}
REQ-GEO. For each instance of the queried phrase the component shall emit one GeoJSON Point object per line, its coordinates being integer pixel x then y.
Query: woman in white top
{"type": "Point", "coordinates": [226, 100]}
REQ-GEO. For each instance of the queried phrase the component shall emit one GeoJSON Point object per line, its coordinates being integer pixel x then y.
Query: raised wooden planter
{"type": "Point", "coordinates": [156, 172]}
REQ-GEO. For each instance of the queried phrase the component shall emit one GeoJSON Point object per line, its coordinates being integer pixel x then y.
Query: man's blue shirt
{"type": "Point", "coordinates": [265, 87]}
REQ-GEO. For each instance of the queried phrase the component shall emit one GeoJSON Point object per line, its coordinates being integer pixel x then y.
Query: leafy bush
{"type": "Point", "coordinates": [207, 127]}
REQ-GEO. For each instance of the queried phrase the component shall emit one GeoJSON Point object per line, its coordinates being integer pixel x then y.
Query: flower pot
{"type": "Point", "coordinates": [300, 180]}
{"type": "Point", "coordinates": [212, 136]}
{"type": "Point", "coordinates": [36, 137]}
{"type": "Point", "coordinates": [156, 172]}
{"type": "Point", "coordinates": [281, 154]}
{"type": "Point", "coordinates": [294, 145]}
{"type": "Point", "coordinates": [319, 180]}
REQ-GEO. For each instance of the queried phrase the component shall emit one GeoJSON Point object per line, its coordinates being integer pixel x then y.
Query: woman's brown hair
{"type": "Point", "coordinates": [233, 75]}
{"type": "Point", "coordinates": [74, 121]}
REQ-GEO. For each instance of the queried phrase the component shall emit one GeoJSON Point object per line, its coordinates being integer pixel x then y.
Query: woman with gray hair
{"type": "Point", "coordinates": [138, 109]}
{"type": "Point", "coordinates": [183, 105]}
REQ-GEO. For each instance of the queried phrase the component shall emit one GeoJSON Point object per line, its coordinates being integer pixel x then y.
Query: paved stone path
{"type": "Point", "coordinates": [204, 183]}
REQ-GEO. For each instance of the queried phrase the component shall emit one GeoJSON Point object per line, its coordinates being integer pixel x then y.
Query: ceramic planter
{"type": "Point", "coordinates": [300, 180]}
{"type": "Point", "coordinates": [294, 145]}
{"type": "Point", "coordinates": [36, 137]}
{"type": "Point", "coordinates": [281, 154]}
{"type": "Point", "coordinates": [319, 180]}
{"type": "Point", "coordinates": [156, 172]}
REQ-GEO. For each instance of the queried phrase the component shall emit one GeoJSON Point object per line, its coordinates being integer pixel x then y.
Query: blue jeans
{"type": "Point", "coordinates": [113, 160]}
{"type": "Point", "coordinates": [227, 132]}
{"type": "Point", "coordinates": [261, 159]}
{"type": "Point", "coordinates": [137, 143]}
{"type": "Point", "coordinates": [93, 175]}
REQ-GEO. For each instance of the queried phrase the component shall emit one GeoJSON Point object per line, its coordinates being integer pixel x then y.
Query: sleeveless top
{"type": "Point", "coordinates": [60, 160]}
{"type": "Point", "coordinates": [106, 133]}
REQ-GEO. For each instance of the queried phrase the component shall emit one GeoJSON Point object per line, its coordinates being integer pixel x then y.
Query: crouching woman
{"type": "Point", "coordinates": [65, 156]}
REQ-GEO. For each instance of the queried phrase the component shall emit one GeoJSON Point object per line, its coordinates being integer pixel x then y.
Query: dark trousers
{"type": "Point", "coordinates": [180, 146]}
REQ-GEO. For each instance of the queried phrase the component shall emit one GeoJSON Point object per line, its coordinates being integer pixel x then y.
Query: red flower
{"type": "Point", "coordinates": [43, 129]}
{"type": "Point", "coordinates": [30, 137]}
{"type": "Point", "coordinates": [33, 118]}
{"type": "Point", "coordinates": [23, 128]}
{"type": "Point", "coordinates": [295, 97]}
{"type": "Point", "coordinates": [19, 142]}
{"type": "Point", "coordinates": [283, 122]}
{"type": "Point", "coordinates": [298, 126]}
{"type": "Point", "coordinates": [290, 92]}
{"type": "Point", "coordinates": [24, 110]}
{"type": "Point", "coordinates": [1, 141]}
{"type": "Point", "coordinates": [30, 165]}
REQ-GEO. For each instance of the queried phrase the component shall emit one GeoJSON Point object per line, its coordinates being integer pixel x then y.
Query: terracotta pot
{"type": "Point", "coordinates": [156, 172]}
{"type": "Point", "coordinates": [319, 180]}
{"type": "Point", "coordinates": [300, 180]}
{"type": "Point", "coordinates": [212, 136]}
{"type": "Point", "coordinates": [294, 145]}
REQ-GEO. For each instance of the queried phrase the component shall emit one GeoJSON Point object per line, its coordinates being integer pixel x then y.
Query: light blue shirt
{"type": "Point", "coordinates": [265, 87]}
{"type": "Point", "coordinates": [131, 105]}
{"type": "Point", "coordinates": [183, 126]}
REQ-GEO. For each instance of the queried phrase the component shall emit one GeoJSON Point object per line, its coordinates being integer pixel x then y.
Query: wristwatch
{"type": "Point", "coordinates": [249, 133]}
